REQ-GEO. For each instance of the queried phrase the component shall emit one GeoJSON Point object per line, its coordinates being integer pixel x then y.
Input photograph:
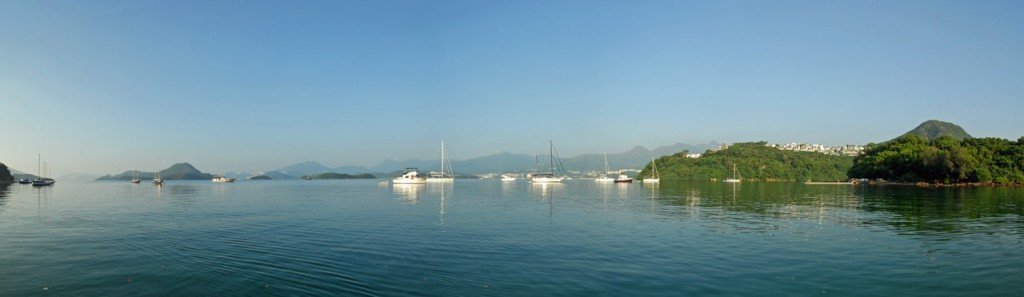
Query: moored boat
{"type": "Point", "coordinates": [446, 175]}
{"type": "Point", "coordinates": [622, 178]}
{"type": "Point", "coordinates": [221, 179]}
{"type": "Point", "coordinates": [655, 177]}
{"type": "Point", "coordinates": [411, 176]}
{"type": "Point", "coordinates": [550, 176]}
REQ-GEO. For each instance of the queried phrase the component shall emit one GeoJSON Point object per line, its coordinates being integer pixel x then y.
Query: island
{"type": "Point", "coordinates": [179, 171]}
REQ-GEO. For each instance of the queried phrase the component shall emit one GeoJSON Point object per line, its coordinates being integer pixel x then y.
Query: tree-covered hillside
{"type": "Point", "coordinates": [754, 161]}
{"type": "Point", "coordinates": [912, 158]}
{"type": "Point", "coordinates": [933, 129]}
{"type": "Point", "coordinates": [5, 174]}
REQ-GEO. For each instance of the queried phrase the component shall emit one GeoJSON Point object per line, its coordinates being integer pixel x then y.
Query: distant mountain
{"type": "Point", "coordinates": [180, 171]}
{"type": "Point", "coordinates": [278, 175]}
{"type": "Point", "coordinates": [77, 177]}
{"type": "Point", "coordinates": [932, 129]}
{"type": "Point", "coordinates": [304, 168]}
{"type": "Point", "coordinates": [501, 162]}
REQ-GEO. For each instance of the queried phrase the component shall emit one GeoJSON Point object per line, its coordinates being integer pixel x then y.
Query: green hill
{"type": "Point", "coordinates": [932, 129]}
{"type": "Point", "coordinates": [5, 175]}
{"type": "Point", "coordinates": [180, 171]}
{"type": "Point", "coordinates": [332, 175]}
{"type": "Point", "coordinates": [754, 161]}
{"type": "Point", "coordinates": [944, 160]}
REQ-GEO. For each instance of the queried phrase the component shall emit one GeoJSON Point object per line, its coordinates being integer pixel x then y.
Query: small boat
{"type": "Point", "coordinates": [604, 176]}
{"type": "Point", "coordinates": [221, 179]}
{"type": "Point", "coordinates": [410, 177]}
{"type": "Point", "coordinates": [623, 179]}
{"type": "Point", "coordinates": [550, 176]}
{"type": "Point", "coordinates": [446, 175]}
{"type": "Point", "coordinates": [508, 178]}
{"type": "Point", "coordinates": [655, 177]}
{"type": "Point", "coordinates": [24, 181]}
{"type": "Point", "coordinates": [735, 178]}
{"type": "Point", "coordinates": [43, 182]}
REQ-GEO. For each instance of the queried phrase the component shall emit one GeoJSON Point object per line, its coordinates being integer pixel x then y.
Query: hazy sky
{"type": "Point", "coordinates": [103, 86]}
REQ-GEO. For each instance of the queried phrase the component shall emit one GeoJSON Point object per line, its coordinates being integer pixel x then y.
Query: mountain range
{"type": "Point", "coordinates": [504, 162]}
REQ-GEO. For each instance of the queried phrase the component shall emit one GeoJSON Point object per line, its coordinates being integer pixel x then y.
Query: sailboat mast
{"type": "Point", "coordinates": [39, 167]}
{"type": "Point", "coordinates": [442, 158]}
{"type": "Point", "coordinates": [551, 155]}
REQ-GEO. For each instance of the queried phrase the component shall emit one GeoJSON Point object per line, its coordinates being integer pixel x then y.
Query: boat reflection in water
{"type": "Point", "coordinates": [546, 190]}
{"type": "Point", "coordinates": [409, 192]}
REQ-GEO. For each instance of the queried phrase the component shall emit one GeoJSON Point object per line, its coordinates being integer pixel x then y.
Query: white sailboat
{"type": "Point", "coordinates": [735, 178]}
{"type": "Point", "coordinates": [135, 177]}
{"type": "Point", "coordinates": [43, 181]}
{"type": "Point", "coordinates": [603, 178]}
{"type": "Point", "coordinates": [156, 179]}
{"type": "Point", "coordinates": [446, 175]}
{"type": "Point", "coordinates": [550, 176]}
{"type": "Point", "coordinates": [410, 177]}
{"type": "Point", "coordinates": [655, 177]}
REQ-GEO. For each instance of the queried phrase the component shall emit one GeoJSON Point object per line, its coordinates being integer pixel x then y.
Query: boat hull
{"type": "Point", "coordinates": [440, 180]}
{"type": "Point", "coordinates": [651, 180]}
{"type": "Point", "coordinates": [408, 181]}
{"type": "Point", "coordinates": [624, 181]}
{"type": "Point", "coordinates": [544, 180]}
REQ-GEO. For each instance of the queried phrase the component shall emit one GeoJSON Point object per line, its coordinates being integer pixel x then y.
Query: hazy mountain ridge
{"type": "Point", "coordinates": [636, 157]}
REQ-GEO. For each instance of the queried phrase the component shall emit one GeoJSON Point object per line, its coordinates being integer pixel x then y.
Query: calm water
{"type": "Point", "coordinates": [491, 238]}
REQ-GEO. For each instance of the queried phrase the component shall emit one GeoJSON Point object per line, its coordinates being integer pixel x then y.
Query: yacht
{"type": "Point", "coordinates": [623, 179]}
{"type": "Point", "coordinates": [135, 177]}
{"type": "Point", "coordinates": [24, 181]}
{"type": "Point", "coordinates": [446, 175]}
{"type": "Point", "coordinates": [604, 176]}
{"type": "Point", "coordinates": [221, 179]}
{"type": "Point", "coordinates": [409, 177]}
{"type": "Point", "coordinates": [550, 176]}
{"type": "Point", "coordinates": [735, 178]}
{"type": "Point", "coordinates": [655, 177]}
{"type": "Point", "coordinates": [43, 171]}
{"type": "Point", "coordinates": [508, 178]}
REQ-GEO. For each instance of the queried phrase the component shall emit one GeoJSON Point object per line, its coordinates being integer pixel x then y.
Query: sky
{"type": "Point", "coordinates": [104, 86]}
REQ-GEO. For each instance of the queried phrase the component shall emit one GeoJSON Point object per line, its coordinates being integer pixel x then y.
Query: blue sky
{"type": "Point", "coordinates": [102, 86]}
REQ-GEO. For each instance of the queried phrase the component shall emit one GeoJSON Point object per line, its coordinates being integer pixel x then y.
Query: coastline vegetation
{"type": "Point", "coordinates": [753, 161]}
{"type": "Point", "coordinates": [944, 160]}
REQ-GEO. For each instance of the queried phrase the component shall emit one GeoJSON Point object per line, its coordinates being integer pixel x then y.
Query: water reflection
{"type": "Point", "coordinates": [546, 190]}
{"type": "Point", "coordinates": [4, 189]}
{"type": "Point", "coordinates": [954, 210]}
{"type": "Point", "coordinates": [409, 192]}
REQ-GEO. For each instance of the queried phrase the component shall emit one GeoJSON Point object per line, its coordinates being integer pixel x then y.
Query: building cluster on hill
{"type": "Point", "coordinates": [841, 150]}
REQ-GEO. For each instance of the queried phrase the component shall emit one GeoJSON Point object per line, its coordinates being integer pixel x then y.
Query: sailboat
{"type": "Point", "coordinates": [156, 179]}
{"type": "Point", "coordinates": [655, 176]}
{"type": "Point", "coordinates": [446, 175]}
{"type": "Point", "coordinates": [42, 181]}
{"type": "Point", "coordinates": [735, 178]}
{"type": "Point", "coordinates": [135, 177]}
{"type": "Point", "coordinates": [550, 176]}
{"type": "Point", "coordinates": [603, 178]}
